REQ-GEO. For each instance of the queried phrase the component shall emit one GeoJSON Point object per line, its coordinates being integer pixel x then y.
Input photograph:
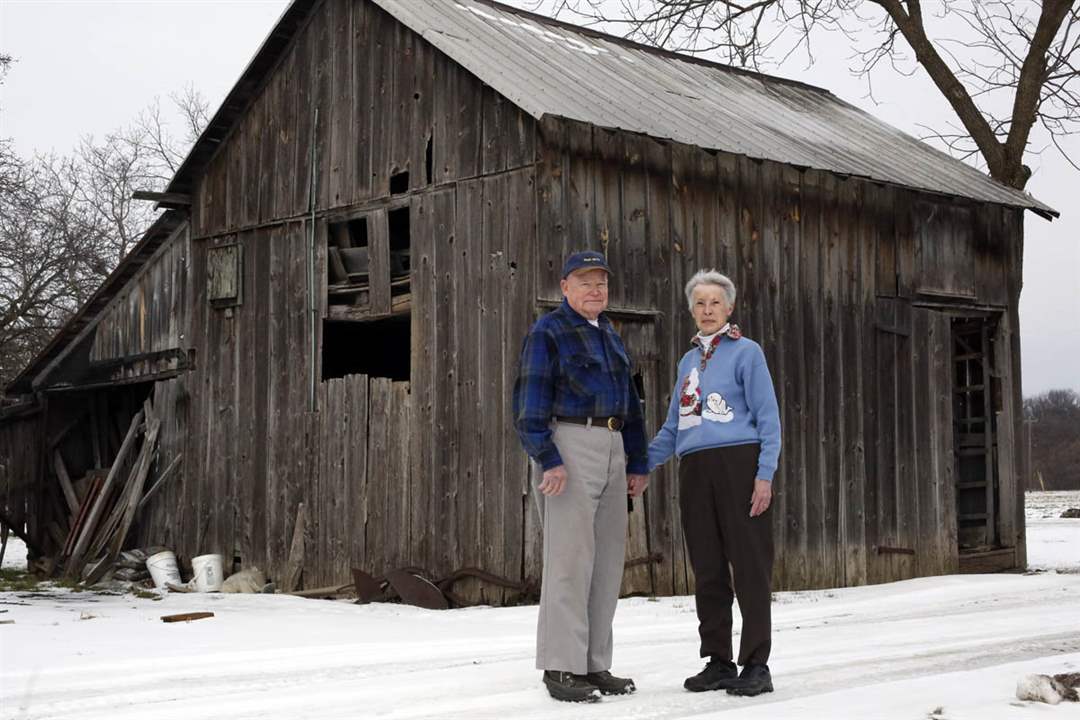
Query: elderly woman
{"type": "Point", "coordinates": [724, 425]}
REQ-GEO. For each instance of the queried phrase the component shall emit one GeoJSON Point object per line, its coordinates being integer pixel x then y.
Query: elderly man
{"type": "Point", "coordinates": [578, 415]}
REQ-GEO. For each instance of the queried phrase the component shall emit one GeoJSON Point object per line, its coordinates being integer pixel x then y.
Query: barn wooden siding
{"type": "Point", "coordinates": [20, 465]}
{"type": "Point", "coordinates": [254, 446]}
{"type": "Point", "coordinates": [850, 287]}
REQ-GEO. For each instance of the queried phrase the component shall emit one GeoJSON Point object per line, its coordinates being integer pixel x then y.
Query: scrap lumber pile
{"type": "Point", "coordinates": [99, 520]}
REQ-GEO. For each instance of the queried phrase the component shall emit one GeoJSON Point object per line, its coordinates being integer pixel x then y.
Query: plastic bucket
{"type": "Point", "coordinates": [209, 573]}
{"type": "Point", "coordinates": [162, 567]}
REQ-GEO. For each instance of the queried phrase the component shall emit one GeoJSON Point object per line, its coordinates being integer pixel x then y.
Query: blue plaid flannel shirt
{"type": "Point", "coordinates": [570, 368]}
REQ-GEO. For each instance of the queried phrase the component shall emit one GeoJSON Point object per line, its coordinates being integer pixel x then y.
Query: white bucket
{"type": "Point", "coordinates": [208, 573]}
{"type": "Point", "coordinates": [162, 567]}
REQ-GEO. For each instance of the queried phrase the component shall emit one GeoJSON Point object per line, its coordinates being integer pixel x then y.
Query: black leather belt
{"type": "Point", "coordinates": [611, 423]}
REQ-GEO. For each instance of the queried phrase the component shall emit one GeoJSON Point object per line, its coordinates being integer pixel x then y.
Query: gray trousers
{"type": "Point", "coordinates": [584, 549]}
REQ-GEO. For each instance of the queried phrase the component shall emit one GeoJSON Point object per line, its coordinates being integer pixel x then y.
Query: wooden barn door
{"type": "Point", "coordinates": [975, 398]}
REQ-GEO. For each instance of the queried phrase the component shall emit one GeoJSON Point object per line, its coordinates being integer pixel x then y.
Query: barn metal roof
{"type": "Point", "coordinates": [547, 67]}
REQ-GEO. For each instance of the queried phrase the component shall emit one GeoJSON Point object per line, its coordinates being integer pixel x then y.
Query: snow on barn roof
{"type": "Point", "coordinates": [547, 67]}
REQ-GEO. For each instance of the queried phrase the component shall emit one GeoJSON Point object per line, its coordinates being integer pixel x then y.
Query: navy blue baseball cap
{"type": "Point", "coordinates": [586, 260]}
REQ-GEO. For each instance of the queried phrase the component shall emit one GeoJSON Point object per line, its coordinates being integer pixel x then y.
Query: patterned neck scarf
{"type": "Point", "coordinates": [729, 330]}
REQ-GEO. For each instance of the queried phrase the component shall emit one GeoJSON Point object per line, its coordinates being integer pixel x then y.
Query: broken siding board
{"type": "Point", "coordinates": [402, 46]}
{"type": "Point", "coordinates": [422, 117]}
{"type": "Point", "coordinates": [379, 258]}
{"type": "Point", "coordinates": [380, 93]}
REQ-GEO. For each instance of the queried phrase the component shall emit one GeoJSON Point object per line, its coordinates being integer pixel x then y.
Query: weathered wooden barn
{"type": "Point", "coordinates": [330, 309]}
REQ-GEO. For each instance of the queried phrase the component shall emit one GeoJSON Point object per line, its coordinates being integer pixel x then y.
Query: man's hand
{"type": "Point", "coordinates": [554, 480]}
{"type": "Point", "coordinates": [759, 502]}
{"type": "Point", "coordinates": [636, 484]}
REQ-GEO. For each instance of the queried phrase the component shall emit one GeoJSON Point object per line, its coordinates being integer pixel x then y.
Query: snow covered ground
{"type": "Point", "coordinates": [938, 648]}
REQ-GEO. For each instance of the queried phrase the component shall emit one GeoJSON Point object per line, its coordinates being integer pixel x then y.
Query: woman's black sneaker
{"type": "Point", "coordinates": [754, 680]}
{"type": "Point", "coordinates": [717, 675]}
{"type": "Point", "coordinates": [608, 684]}
{"type": "Point", "coordinates": [568, 687]}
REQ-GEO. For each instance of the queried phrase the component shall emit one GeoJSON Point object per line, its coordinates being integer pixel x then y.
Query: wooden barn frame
{"type": "Point", "coordinates": [329, 311]}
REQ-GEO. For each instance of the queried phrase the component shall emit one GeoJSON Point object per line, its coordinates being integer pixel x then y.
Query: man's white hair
{"type": "Point", "coordinates": [710, 277]}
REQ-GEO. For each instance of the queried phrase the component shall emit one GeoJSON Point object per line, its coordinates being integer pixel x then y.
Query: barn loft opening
{"type": "Point", "coordinates": [378, 348]}
{"type": "Point", "coordinates": [369, 300]}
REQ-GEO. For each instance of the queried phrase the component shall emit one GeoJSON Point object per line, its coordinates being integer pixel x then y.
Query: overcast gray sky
{"type": "Point", "coordinates": [85, 67]}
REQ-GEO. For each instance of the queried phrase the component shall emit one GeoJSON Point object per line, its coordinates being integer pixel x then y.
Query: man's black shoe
{"type": "Point", "coordinates": [608, 684]}
{"type": "Point", "coordinates": [718, 674]}
{"type": "Point", "coordinates": [754, 680]}
{"type": "Point", "coordinates": [569, 687]}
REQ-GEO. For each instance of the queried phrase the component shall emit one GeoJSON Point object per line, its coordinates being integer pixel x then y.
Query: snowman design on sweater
{"type": "Point", "coordinates": [691, 408]}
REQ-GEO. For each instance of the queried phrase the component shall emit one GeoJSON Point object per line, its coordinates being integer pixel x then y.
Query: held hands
{"type": "Point", "coordinates": [554, 481]}
{"type": "Point", "coordinates": [761, 498]}
{"type": "Point", "coordinates": [636, 484]}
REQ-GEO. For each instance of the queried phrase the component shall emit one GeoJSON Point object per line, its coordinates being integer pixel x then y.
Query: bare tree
{"type": "Point", "coordinates": [1005, 67]}
{"type": "Point", "coordinates": [53, 253]}
{"type": "Point", "coordinates": [142, 156]}
{"type": "Point", "coordinates": [66, 222]}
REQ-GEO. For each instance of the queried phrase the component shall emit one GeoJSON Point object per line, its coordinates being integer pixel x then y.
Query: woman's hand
{"type": "Point", "coordinates": [761, 498]}
{"type": "Point", "coordinates": [636, 484]}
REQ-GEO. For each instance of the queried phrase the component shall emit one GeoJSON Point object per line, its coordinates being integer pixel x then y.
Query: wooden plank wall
{"type": "Point", "coordinates": [822, 265]}
{"type": "Point", "coordinates": [382, 94]}
{"type": "Point", "coordinates": [21, 441]}
{"type": "Point", "coordinates": [150, 312]}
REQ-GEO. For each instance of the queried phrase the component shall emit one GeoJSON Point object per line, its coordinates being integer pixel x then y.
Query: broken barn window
{"type": "Point", "coordinates": [399, 182]}
{"type": "Point", "coordinates": [367, 327]}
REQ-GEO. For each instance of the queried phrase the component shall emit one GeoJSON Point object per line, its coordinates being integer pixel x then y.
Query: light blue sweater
{"type": "Point", "coordinates": [731, 403]}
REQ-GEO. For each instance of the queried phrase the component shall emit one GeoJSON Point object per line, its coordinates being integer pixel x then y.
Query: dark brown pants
{"type": "Point", "coordinates": [715, 486]}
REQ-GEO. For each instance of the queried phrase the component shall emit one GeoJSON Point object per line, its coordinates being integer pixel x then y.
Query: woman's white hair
{"type": "Point", "coordinates": [710, 277]}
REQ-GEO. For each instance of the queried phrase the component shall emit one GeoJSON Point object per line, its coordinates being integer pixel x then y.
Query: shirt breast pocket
{"type": "Point", "coordinates": [582, 373]}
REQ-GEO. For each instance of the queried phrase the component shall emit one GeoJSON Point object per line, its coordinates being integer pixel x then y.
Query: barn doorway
{"type": "Point", "coordinates": [975, 401]}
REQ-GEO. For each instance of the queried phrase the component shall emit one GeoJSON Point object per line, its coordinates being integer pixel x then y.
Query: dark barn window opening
{"type": "Point", "coordinates": [399, 182]}
{"type": "Point", "coordinates": [400, 251]}
{"type": "Point", "coordinates": [379, 348]}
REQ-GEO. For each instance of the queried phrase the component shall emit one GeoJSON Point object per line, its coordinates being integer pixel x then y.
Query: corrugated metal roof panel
{"type": "Point", "coordinates": [551, 68]}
